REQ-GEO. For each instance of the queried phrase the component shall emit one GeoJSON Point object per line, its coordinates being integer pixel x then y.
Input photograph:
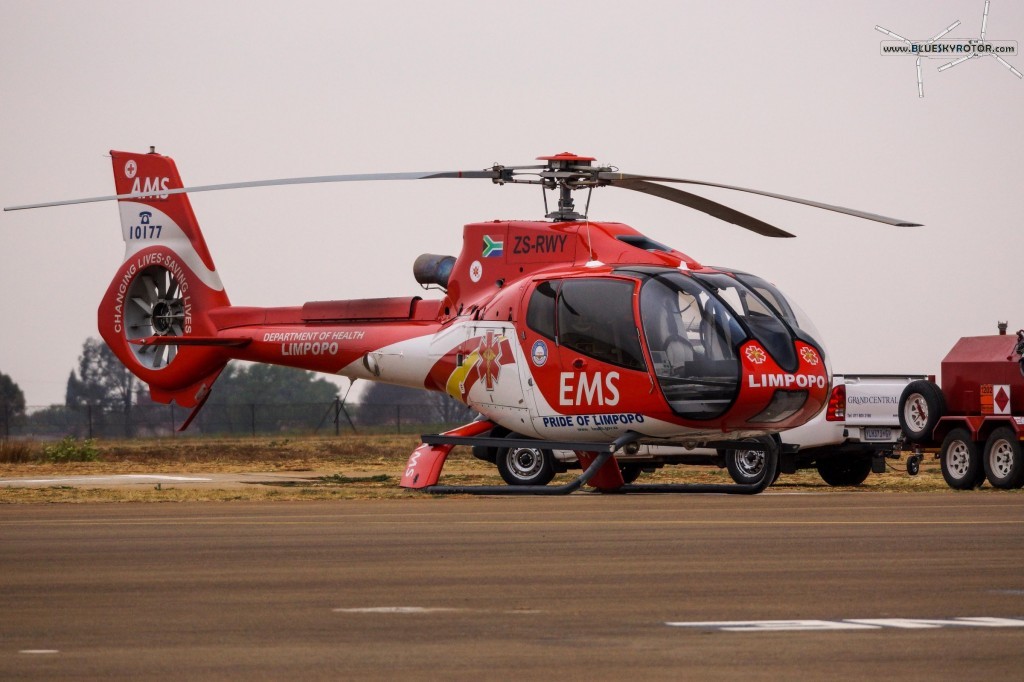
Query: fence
{"type": "Point", "coordinates": [152, 420]}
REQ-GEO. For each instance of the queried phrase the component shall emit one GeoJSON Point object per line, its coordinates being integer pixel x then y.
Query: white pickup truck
{"type": "Point", "coordinates": [846, 441]}
{"type": "Point", "coordinates": [852, 436]}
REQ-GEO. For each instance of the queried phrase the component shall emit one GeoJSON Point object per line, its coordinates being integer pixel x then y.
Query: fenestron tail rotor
{"type": "Point", "coordinates": [564, 173]}
{"type": "Point", "coordinates": [154, 307]}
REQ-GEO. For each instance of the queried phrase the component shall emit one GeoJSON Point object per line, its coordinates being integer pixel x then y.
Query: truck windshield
{"type": "Point", "coordinates": [693, 339]}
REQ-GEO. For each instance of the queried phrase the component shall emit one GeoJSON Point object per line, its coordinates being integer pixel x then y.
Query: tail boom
{"type": "Point", "coordinates": [168, 318]}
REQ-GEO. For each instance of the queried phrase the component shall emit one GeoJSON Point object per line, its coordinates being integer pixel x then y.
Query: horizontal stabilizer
{"type": "Point", "coordinates": [216, 341]}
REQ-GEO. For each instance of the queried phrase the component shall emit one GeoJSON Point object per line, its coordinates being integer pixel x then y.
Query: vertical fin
{"type": "Point", "coordinates": [166, 286]}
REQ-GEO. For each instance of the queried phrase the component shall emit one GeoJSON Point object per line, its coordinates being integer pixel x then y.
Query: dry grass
{"type": "Point", "coordinates": [221, 454]}
{"type": "Point", "coordinates": [17, 451]}
{"type": "Point", "coordinates": [346, 467]}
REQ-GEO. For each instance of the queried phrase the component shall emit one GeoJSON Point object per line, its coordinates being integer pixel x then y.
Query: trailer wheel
{"type": "Point", "coordinates": [1004, 463]}
{"type": "Point", "coordinates": [961, 463]}
{"type": "Point", "coordinates": [845, 471]}
{"type": "Point", "coordinates": [921, 406]}
{"type": "Point", "coordinates": [526, 466]}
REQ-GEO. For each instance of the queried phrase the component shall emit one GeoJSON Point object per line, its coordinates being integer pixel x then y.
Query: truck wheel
{"type": "Point", "coordinates": [747, 467]}
{"type": "Point", "coordinates": [844, 471]}
{"type": "Point", "coordinates": [961, 463]}
{"type": "Point", "coordinates": [921, 406]}
{"type": "Point", "coordinates": [526, 466]}
{"type": "Point", "coordinates": [1004, 463]}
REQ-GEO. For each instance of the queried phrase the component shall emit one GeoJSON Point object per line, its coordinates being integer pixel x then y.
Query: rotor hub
{"type": "Point", "coordinates": [568, 172]}
{"type": "Point", "coordinates": [166, 313]}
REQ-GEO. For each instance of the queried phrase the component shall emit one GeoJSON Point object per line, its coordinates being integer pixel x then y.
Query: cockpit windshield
{"type": "Point", "coordinates": [694, 327]}
{"type": "Point", "coordinates": [693, 338]}
{"type": "Point", "coordinates": [760, 318]}
{"type": "Point", "coordinates": [693, 324]}
{"type": "Point", "coordinates": [785, 307]}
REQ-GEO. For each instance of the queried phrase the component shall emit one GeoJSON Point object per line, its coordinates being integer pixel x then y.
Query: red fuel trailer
{"type": "Point", "coordinates": [976, 419]}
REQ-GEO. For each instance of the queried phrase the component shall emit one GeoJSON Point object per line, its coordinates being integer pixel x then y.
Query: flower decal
{"type": "Point", "coordinates": [809, 356]}
{"type": "Point", "coordinates": [756, 355]}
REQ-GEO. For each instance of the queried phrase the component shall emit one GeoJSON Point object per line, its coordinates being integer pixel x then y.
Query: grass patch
{"type": "Point", "coordinates": [70, 449]}
{"type": "Point", "coordinates": [16, 451]}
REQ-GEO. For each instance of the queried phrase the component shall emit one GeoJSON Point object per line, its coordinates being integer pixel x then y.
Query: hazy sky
{"type": "Point", "coordinates": [792, 97]}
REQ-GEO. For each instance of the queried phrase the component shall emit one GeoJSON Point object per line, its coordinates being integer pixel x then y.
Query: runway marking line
{"type": "Point", "coordinates": [39, 651]}
{"type": "Point", "coordinates": [849, 624]}
{"type": "Point", "coordinates": [415, 610]}
{"type": "Point", "coordinates": [400, 609]}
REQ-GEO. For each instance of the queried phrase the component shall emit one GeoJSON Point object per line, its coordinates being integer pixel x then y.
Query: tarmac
{"type": "Point", "coordinates": [774, 586]}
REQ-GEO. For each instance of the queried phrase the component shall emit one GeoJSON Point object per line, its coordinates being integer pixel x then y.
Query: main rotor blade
{"type": "Point", "coordinates": [955, 62]}
{"type": "Point", "coordinates": [1005, 63]}
{"type": "Point", "coordinates": [491, 174]}
{"type": "Point", "coordinates": [947, 30]}
{"type": "Point", "coordinates": [615, 179]}
{"type": "Point", "coordinates": [897, 36]}
{"type": "Point", "coordinates": [712, 208]}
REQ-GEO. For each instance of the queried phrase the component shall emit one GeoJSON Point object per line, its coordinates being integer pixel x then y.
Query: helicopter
{"type": "Point", "coordinates": [564, 333]}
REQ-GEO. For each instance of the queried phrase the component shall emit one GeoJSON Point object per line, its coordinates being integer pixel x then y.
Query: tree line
{"type": "Point", "coordinates": [103, 388]}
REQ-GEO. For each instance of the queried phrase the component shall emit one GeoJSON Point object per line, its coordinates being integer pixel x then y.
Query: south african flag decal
{"type": "Point", "coordinates": [493, 248]}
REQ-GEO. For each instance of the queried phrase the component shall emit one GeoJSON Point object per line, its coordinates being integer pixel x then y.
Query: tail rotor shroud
{"type": "Point", "coordinates": [156, 309]}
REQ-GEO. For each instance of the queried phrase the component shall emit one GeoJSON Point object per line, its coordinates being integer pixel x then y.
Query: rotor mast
{"type": "Point", "coordinates": [567, 172]}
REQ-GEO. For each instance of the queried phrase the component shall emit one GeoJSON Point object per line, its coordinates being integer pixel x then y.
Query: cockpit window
{"type": "Point", "coordinates": [771, 295]}
{"type": "Point", "coordinates": [761, 319]}
{"type": "Point", "coordinates": [693, 339]}
{"type": "Point", "coordinates": [591, 316]}
{"type": "Point", "coordinates": [789, 311]}
{"type": "Point", "coordinates": [540, 314]}
{"type": "Point", "coordinates": [642, 242]}
{"type": "Point", "coordinates": [595, 317]}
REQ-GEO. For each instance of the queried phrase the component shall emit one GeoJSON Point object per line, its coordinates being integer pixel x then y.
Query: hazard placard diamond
{"type": "Point", "coordinates": [1001, 399]}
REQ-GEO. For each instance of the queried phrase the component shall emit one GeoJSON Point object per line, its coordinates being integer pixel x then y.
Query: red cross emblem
{"type": "Point", "coordinates": [490, 359]}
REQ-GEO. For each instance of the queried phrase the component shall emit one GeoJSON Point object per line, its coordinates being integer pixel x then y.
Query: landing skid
{"type": "Point", "coordinates": [570, 487]}
{"type": "Point", "coordinates": [602, 456]}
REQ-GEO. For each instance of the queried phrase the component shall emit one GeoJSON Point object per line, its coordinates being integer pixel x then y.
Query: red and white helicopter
{"type": "Point", "coordinates": [565, 333]}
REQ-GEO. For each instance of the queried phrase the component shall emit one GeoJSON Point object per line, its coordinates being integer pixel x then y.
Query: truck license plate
{"type": "Point", "coordinates": [877, 434]}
